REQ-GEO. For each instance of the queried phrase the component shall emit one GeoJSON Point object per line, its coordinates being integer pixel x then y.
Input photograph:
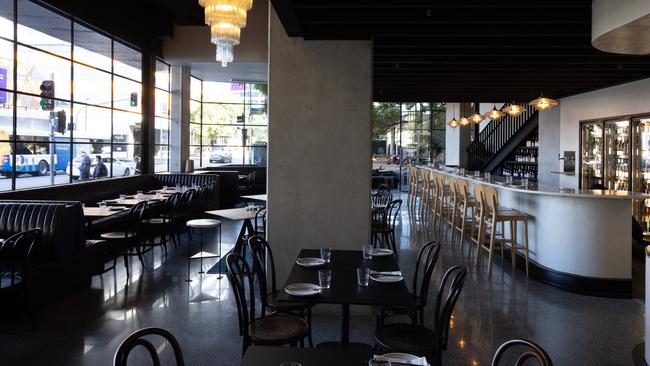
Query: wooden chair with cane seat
{"type": "Point", "coordinates": [500, 242]}
{"type": "Point", "coordinates": [258, 329]}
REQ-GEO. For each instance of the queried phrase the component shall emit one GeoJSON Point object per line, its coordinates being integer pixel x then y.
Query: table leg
{"type": "Point", "coordinates": [201, 254]}
{"type": "Point", "coordinates": [345, 326]}
{"type": "Point", "coordinates": [189, 259]}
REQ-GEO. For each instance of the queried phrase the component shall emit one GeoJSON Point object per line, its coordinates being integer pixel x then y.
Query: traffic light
{"type": "Point", "coordinates": [47, 95]}
{"type": "Point", "coordinates": [61, 119]}
{"type": "Point", "coordinates": [134, 99]}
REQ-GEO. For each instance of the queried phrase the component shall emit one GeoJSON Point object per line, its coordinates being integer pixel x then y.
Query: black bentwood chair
{"type": "Point", "coordinates": [532, 351]}
{"type": "Point", "coordinates": [135, 339]}
{"type": "Point", "coordinates": [425, 264]}
{"type": "Point", "coordinates": [129, 237]}
{"type": "Point", "coordinates": [419, 340]}
{"type": "Point", "coordinates": [160, 226]}
{"type": "Point", "coordinates": [272, 330]}
{"type": "Point", "coordinates": [264, 267]}
{"type": "Point", "coordinates": [16, 256]}
{"type": "Point", "coordinates": [384, 230]}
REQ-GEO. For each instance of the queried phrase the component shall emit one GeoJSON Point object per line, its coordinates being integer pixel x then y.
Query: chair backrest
{"type": "Point", "coordinates": [391, 212]}
{"type": "Point", "coordinates": [382, 198]}
{"type": "Point", "coordinates": [260, 216]}
{"type": "Point", "coordinates": [185, 202]}
{"type": "Point", "coordinates": [448, 293]}
{"type": "Point", "coordinates": [135, 339]}
{"type": "Point", "coordinates": [263, 266]}
{"type": "Point", "coordinates": [532, 351]}
{"type": "Point", "coordinates": [491, 199]}
{"type": "Point", "coordinates": [242, 282]}
{"type": "Point", "coordinates": [170, 204]}
{"type": "Point", "coordinates": [427, 259]}
{"type": "Point", "coordinates": [134, 218]}
{"type": "Point", "coordinates": [426, 178]}
{"type": "Point", "coordinates": [462, 189]}
{"type": "Point", "coordinates": [16, 254]}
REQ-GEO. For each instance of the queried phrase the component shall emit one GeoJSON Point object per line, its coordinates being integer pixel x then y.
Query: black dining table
{"type": "Point", "coordinates": [344, 288]}
{"type": "Point", "coordinates": [274, 356]}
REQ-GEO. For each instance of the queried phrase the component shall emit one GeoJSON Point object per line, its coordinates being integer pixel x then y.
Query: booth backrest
{"type": "Point", "coordinates": [62, 224]}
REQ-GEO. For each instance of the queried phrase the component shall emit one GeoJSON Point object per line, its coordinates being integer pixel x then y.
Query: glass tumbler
{"type": "Point", "coordinates": [367, 249]}
{"type": "Point", "coordinates": [326, 254]}
{"type": "Point", "coordinates": [363, 276]}
{"type": "Point", "coordinates": [325, 278]}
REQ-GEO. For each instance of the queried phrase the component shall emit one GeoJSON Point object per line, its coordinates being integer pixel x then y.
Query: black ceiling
{"type": "Point", "coordinates": [468, 50]}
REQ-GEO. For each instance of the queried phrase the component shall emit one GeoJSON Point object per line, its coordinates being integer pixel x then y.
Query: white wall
{"type": "Point", "coordinates": [624, 99]}
{"type": "Point", "coordinates": [319, 144]}
{"type": "Point", "coordinates": [549, 146]}
{"type": "Point", "coordinates": [452, 136]}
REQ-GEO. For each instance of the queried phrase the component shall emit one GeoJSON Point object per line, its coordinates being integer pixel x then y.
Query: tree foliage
{"type": "Point", "coordinates": [384, 115]}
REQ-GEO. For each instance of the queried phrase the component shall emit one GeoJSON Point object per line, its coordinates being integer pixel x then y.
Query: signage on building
{"type": "Point", "coordinates": [3, 85]}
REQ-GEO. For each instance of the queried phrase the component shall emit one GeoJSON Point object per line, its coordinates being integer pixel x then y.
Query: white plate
{"type": "Point", "coordinates": [380, 252]}
{"type": "Point", "coordinates": [385, 278]}
{"type": "Point", "coordinates": [402, 357]}
{"type": "Point", "coordinates": [310, 262]}
{"type": "Point", "coordinates": [302, 289]}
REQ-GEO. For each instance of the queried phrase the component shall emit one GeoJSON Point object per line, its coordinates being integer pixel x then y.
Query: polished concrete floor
{"type": "Point", "coordinates": [86, 328]}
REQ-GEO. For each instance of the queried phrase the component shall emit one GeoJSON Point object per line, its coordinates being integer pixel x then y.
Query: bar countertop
{"type": "Point", "coordinates": [545, 189]}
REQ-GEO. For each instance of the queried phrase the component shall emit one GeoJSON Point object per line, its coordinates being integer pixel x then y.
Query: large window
{"type": "Point", "coordinates": [228, 123]}
{"type": "Point", "coordinates": [162, 116]}
{"type": "Point", "coordinates": [94, 114]}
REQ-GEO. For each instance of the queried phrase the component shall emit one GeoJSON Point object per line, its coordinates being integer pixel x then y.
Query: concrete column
{"type": "Point", "coordinates": [320, 142]}
{"type": "Point", "coordinates": [179, 133]}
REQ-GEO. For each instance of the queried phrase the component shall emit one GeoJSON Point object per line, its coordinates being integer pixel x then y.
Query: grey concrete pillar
{"type": "Point", "coordinates": [320, 142]}
{"type": "Point", "coordinates": [179, 133]}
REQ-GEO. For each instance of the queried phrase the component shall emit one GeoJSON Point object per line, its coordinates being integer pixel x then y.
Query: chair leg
{"type": "Point", "coordinates": [526, 243]}
{"type": "Point", "coordinates": [493, 233]}
{"type": "Point", "coordinates": [126, 263]}
{"type": "Point", "coordinates": [309, 337]}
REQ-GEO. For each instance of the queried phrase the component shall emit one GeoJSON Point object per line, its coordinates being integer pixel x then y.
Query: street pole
{"type": "Point", "coordinates": [53, 121]}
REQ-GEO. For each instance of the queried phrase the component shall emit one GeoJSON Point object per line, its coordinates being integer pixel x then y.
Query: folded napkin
{"type": "Point", "coordinates": [421, 361]}
{"type": "Point", "coordinates": [386, 273]}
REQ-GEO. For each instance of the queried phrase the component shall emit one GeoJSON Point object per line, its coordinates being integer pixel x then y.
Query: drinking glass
{"type": "Point", "coordinates": [178, 187]}
{"type": "Point", "coordinates": [326, 253]}
{"type": "Point", "coordinates": [184, 189]}
{"type": "Point", "coordinates": [477, 174]}
{"type": "Point", "coordinates": [102, 206]}
{"type": "Point", "coordinates": [487, 175]}
{"type": "Point", "coordinates": [139, 195]}
{"type": "Point", "coordinates": [325, 278]}
{"type": "Point", "coordinates": [122, 197]}
{"type": "Point", "coordinates": [524, 182]}
{"type": "Point", "coordinates": [462, 171]}
{"type": "Point", "coordinates": [367, 249]}
{"type": "Point", "coordinates": [363, 276]}
{"type": "Point", "coordinates": [509, 179]}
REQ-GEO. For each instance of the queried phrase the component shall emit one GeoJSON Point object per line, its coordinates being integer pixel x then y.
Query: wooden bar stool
{"type": "Point", "coordinates": [465, 212]}
{"type": "Point", "coordinates": [477, 228]}
{"type": "Point", "coordinates": [413, 191]}
{"type": "Point", "coordinates": [501, 215]}
{"type": "Point", "coordinates": [453, 205]}
{"type": "Point", "coordinates": [443, 198]}
{"type": "Point", "coordinates": [425, 191]}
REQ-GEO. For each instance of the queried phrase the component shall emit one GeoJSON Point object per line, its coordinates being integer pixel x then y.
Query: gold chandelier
{"type": "Point", "coordinates": [477, 118]}
{"type": "Point", "coordinates": [453, 123]}
{"type": "Point", "coordinates": [543, 103]}
{"type": "Point", "coordinates": [226, 18]}
{"type": "Point", "coordinates": [515, 109]}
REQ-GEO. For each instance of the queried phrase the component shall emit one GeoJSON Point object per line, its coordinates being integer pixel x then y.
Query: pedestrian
{"type": "Point", "coordinates": [100, 168]}
{"type": "Point", "coordinates": [84, 167]}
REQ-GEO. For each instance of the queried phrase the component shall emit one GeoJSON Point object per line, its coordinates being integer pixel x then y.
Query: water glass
{"type": "Point", "coordinates": [363, 276]}
{"type": "Point", "coordinates": [509, 179]}
{"type": "Point", "coordinates": [178, 187]}
{"type": "Point", "coordinates": [487, 176]}
{"type": "Point", "coordinates": [122, 197]}
{"type": "Point", "coordinates": [102, 206]}
{"type": "Point", "coordinates": [367, 249]}
{"type": "Point", "coordinates": [326, 254]}
{"type": "Point", "coordinates": [325, 278]}
{"type": "Point", "coordinates": [524, 182]}
{"type": "Point", "coordinates": [140, 195]}
{"type": "Point", "coordinates": [462, 171]}
{"type": "Point", "coordinates": [477, 174]}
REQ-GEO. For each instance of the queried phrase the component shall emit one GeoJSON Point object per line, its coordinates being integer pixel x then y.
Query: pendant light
{"type": "Point", "coordinates": [495, 114]}
{"type": "Point", "coordinates": [542, 104]}
{"type": "Point", "coordinates": [464, 121]}
{"type": "Point", "coordinates": [454, 122]}
{"type": "Point", "coordinates": [477, 118]}
{"type": "Point", "coordinates": [515, 109]}
{"type": "Point", "coordinates": [226, 18]}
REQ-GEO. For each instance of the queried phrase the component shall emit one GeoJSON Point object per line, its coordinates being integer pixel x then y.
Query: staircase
{"type": "Point", "coordinates": [499, 138]}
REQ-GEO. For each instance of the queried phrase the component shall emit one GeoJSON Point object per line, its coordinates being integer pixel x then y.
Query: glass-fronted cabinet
{"type": "Point", "coordinates": [617, 155]}
{"type": "Point", "coordinates": [641, 173]}
{"type": "Point", "coordinates": [591, 155]}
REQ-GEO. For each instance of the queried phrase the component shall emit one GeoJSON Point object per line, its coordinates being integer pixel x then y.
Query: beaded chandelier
{"type": "Point", "coordinates": [226, 18]}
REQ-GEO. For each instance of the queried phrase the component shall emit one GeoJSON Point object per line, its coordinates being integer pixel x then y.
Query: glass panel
{"type": "Point", "coordinates": [33, 123]}
{"type": "Point", "coordinates": [7, 19]}
{"type": "Point", "coordinates": [195, 89]}
{"type": "Point", "coordinates": [127, 62]}
{"type": "Point", "coordinates": [85, 160]}
{"type": "Point", "coordinates": [92, 86]}
{"type": "Point", "coordinates": [256, 93]}
{"type": "Point", "coordinates": [223, 113]}
{"type": "Point", "coordinates": [91, 48]}
{"type": "Point", "coordinates": [195, 111]}
{"type": "Point", "coordinates": [195, 134]}
{"type": "Point", "coordinates": [256, 155]}
{"type": "Point", "coordinates": [127, 127]}
{"type": "Point", "coordinates": [161, 158]}
{"type": "Point", "coordinates": [92, 124]}
{"type": "Point", "coordinates": [219, 155]}
{"type": "Point", "coordinates": [6, 116]}
{"type": "Point", "coordinates": [223, 92]}
{"type": "Point", "coordinates": [126, 160]}
{"type": "Point", "coordinates": [617, 155]}
{"type": "Point", "coordinates": [222, 135]}
{"type": "Point", "coordinates": [592, 155]}
{"type": "Point", "coordinates": [195, 155]}
{"type": "Point", "coordinates": [6, 67]}
{"type": "Point", "coordinates": [162, 103]}
{"type": "Point", "coordinates": [44, 29]}
{"type": "Point", "coordinates": [122, 92]}
{"type": "Point", "coordinates": [257, 115]}
{"type": "Point", "coordinates": [162, 75]}
{"type": "Point", "coordinates": [257, 136]}
{"type": "Point", "coordinates": [33, 164]}
{"type": "Point", "coordinates": [35, 66]}
{"type": "Point", "coordinates": [162, 132]}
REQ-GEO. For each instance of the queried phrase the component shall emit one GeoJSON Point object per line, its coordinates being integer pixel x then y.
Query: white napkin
{"type": "Point", "coordinates": [393, 273]}
{"type": "Point", "coordinates": [421, 361]}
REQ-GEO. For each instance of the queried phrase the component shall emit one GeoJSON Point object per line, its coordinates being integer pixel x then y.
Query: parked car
{"type": "Point", "coordinates": [220, 156]}
{"type": "Point", "coordinates": [121, 167]}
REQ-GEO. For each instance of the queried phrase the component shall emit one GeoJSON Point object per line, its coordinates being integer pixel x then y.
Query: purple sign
{"type": "Point", "coordinates": [3, 85]}
{"type": "Point", "coordinates": [237, 87]}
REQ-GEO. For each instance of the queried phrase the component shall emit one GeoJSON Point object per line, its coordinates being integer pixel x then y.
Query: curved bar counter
{"type": "Point", "coordinates": [580, 241]}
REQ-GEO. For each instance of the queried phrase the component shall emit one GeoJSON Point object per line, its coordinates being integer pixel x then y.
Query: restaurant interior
{"type": "Point", "coordinates": [332, 182]}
